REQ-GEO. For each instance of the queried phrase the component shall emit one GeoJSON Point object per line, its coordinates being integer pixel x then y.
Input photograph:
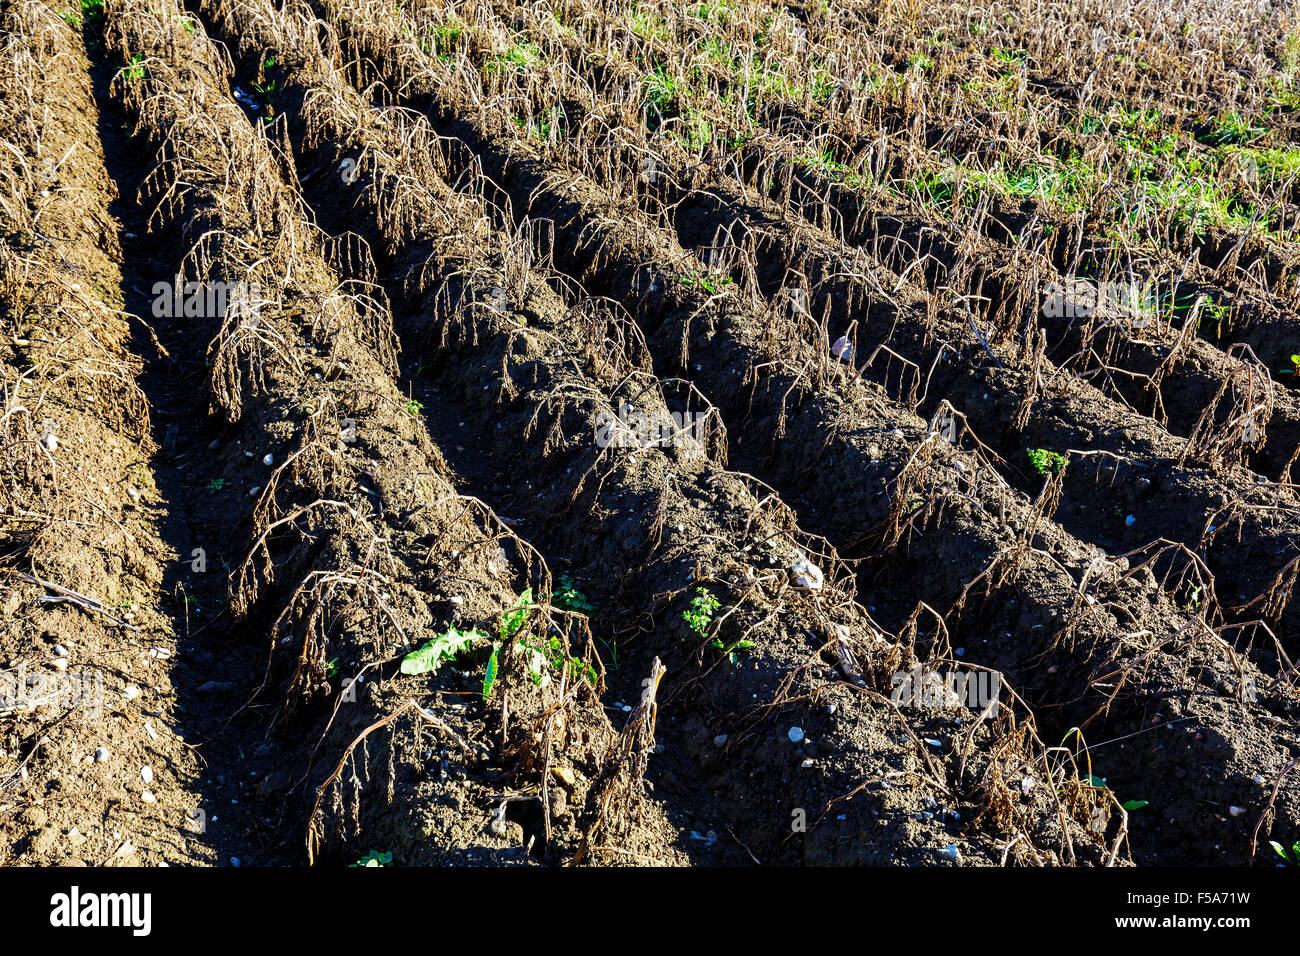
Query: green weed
{"type": "Point", "coordinates": [134, 70]}
{"type": "Point", "coordinates": [1047, 462]}
{"type": "Point", "coordinates": [429, 658]}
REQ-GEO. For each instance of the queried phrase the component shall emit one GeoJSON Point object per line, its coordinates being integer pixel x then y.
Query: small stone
{"type": "Point", "coordinates": [795, 734]}
{"type": "Point", "coordinates": [1236, 811]}
{"type": "Point", "coordinates": [60, 650]}
{"type": "Point", "coordinates": [267, 459]}
{"type": "Point", "coordinates": [146, 774]}
{"type": "Point", "coordinates": [720, 740]}
{"type": "Point", "coordinates": [132, 493]}
{"type": "Point", "coordinates": [1027, 785]}
{"type": "Point", "coordinates": [148, 797]}
{"type": "Point", "coordinates": [102, 754]}
{"type": "Point", "coordinates": [59, 663]}
{"type": "Point", "coordinates": [234, 861]}
{"type": "Point", "coordinates": [50, 442]}
{"type": "Point", "coordinates": [131, 692]}
{"type": "Point", "coordinates": [1259, 780]}
{"type": "Point", "coordinates": [565, 776]}
{"type": "Point", "coordinates": [951, 853]}
{"type": "Point", "coordinates": [806, 575]}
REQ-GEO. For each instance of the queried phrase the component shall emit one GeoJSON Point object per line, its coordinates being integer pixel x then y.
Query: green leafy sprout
{"type": "Point", "coordinates": [90, 10]}
{"type": "Point", "coordinates": [520, 56]}
{"type": "Point", "coordinates": [441, 40]}
{"type": "Point", "coordinates": [265, 90]}
{"type": "Point", "coordinates": [700, 617]}
{"type": "Point", "coordinates": [828, 167]}
{"type": "Point", "coordinates": [134, 69]}
{"type": "Point", "coordinates": [710, 282]}
{"type": "Point", "coordinates": [490, 675]}
{"type": "Point", "coordinates": [435, 653]}
{"type": "Point", "coordinates": [700, 614]}
{"type": "Point", "coordinates": [1046, 462]}
{"type": "Point", "coordinates": [1291, 858]}
{"type": "Point", "coordinates": [1233, 128]}
{"type": "Point", "coordinates": [1128, 805]}
{"type": "Point", "coordinates": [569, 598]}
{"type": "Point", "coordinates": [549, 652]}
{"type": "Point", "coordinates": [540, 654]}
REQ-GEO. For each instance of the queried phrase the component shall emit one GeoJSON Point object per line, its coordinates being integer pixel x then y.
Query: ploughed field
{"type": "Point", "coordinates": [741, 433]}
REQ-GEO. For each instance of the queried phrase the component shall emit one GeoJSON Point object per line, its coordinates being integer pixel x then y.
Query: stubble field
{"type": "Point", "coordinates": [623, 433]}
